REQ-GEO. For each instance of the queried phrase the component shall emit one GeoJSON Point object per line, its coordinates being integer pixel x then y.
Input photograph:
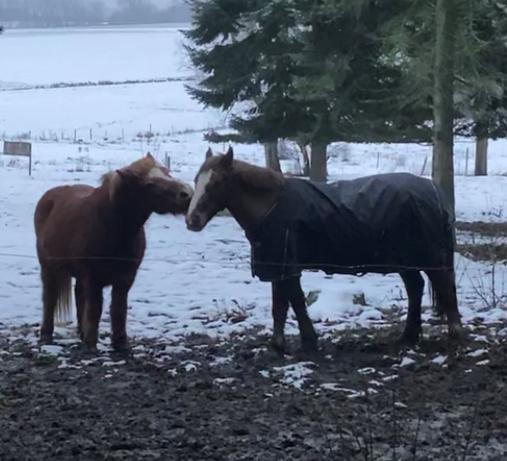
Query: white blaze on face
{"type": "Point", "coordinates": [159, 172]}
{"type": "Point", "coordinates": [200, 188]}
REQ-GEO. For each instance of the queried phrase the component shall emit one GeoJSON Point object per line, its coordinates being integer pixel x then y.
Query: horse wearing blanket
{"type": "Point", "coordinates": [383, 223]}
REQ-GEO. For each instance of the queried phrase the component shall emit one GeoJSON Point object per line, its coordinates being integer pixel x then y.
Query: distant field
{"type": "Point", "coordinates": [45, 56]}
{"type": "Point", "coordinates": [40, 58]}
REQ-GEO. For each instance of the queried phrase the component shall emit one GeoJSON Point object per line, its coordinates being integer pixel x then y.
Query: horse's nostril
{"type": "Point", "coordinates": [184, 195]}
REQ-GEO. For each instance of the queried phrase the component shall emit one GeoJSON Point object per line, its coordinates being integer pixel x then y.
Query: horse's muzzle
{"type": "Point", "coordinates": [195, 222]}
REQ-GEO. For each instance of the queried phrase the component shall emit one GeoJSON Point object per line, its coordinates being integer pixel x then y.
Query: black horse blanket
{"type": "Point", "coordinates": [382, 223]}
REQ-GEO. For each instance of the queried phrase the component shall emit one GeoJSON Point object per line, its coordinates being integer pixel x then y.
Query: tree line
{"type": "Point", "coordinates": [55, 13]}
{"type": "Point", "coordinates": [320, 71]}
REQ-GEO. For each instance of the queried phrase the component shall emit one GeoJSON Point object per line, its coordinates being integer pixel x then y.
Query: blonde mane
{"type": "Point", "coordinates": [140, 168]}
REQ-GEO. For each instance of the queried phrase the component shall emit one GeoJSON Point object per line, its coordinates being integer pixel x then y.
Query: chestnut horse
{"type": "Point", "coordinates": [96, 236]}
{"type": "Point", "coordinates": [366, 225]}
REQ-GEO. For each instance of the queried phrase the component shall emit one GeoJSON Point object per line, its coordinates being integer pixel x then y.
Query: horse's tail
{"type": "Point", "coordinates": [63, 309]}
{"type": "Point", "coordinates": [437, 308]}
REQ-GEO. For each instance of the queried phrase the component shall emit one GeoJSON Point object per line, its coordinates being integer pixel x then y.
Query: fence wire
{"type": "Point", "coordinates": [361, 269]}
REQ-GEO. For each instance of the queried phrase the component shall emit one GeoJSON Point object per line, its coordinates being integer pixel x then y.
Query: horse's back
{"type": "Point", "coordinates": [382, 223]}
{"type": "Point", "coordinates": [57, 201]}
{"type": "Point", "coordinates": [394, 220]}
{"type": "Point", "coordinates": [62, 217]}
{"type": "Point", "coordinates": [379, 199]}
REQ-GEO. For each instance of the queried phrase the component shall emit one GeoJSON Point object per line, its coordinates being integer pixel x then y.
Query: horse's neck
{"type": "Point", "coordinates": [128, 215]}
{"type": "Point", "coordinates": [254, 191]}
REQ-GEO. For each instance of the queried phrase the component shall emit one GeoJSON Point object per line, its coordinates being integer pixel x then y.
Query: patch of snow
{"type": "Point", "coordinates": [174, 350]}
{"type": "Point", "coordinates": [111, 363]}
{"type": "Point", "coordinates": [331, 387]}
{"type": "Point", "coordinates": [295, 374]}
{"type": "Point", "coordinates": [480, 338]}
{"type": "Point", "coordinates": [87, 362]}
{"type": "Point", "coordinates": [406, 361]}
{"type": "Point", "coordinates": [366, 371]}
{"type": "Point", "coordinates": [217, 361]}
{"type": "Point", "coordinates": [357, 394]}
{"type": "Point", "coordinates": [477, 352]}
{"type": "Point", "coordinates": [439, 359]}
{"type": "Point", "coordinates": [190, 365]}
{"type": "Point", "coordinates": [224, 381]}
{"type": "Point", "coordinates": [65, 364]}
{"type": "Point", "coordinates": [51, 349]}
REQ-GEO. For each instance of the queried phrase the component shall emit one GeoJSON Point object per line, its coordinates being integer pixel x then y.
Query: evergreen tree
{"type": "Point", "coordinates": [481, 96]}
{"type": "Point", "coordinates": [348, 87]}
{"type": "Point", "coordinates": [480, 63]}
{"type": "Point", "coordinates": [245, 51]}
{"type": "Point", "coordinates": [245, 48]}
{"type": "Point", "coordinates": [310, 70]}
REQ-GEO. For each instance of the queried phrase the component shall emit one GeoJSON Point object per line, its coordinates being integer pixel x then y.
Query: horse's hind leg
{"type": "Point", "coordinates": [49, 299]}
{"type": "Point", "coordinates": [92, 313]}
{"type": "Point", "coordinates": [280, 307]}
{"type": "Point", "coordinates": [444, 286]}
{"type": "Point", "coordinates": [298, 302]}
{"type": "Point", "coordinates": [414, 284]}
{"type": "Point", "coordinates": [119, 307]}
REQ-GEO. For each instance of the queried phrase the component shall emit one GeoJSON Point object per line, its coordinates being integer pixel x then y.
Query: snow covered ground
{"type": "Point", "coordinates": [71, 55]}
{"type": "Point", "coordinates": [188, 282]}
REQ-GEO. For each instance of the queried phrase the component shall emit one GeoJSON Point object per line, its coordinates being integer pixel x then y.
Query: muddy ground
{"type": "Point", "coordinates": [361, 397]}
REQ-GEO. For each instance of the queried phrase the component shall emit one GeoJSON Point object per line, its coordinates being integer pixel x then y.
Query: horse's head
{"type": "Point", "coordinates": [150, 183]}
{"type": "Point", "coordinates": [210, 189]}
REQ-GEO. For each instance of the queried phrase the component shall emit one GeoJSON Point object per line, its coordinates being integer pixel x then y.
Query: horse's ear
{"type": "Point", "coordinates": [209, 153]}
{"type": "Point", "coordinates": [148, 155]}
{"type": "Point", "coordinates": [228, 158]}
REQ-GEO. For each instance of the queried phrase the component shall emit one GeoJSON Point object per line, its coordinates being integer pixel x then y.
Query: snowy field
{"type": "Point", "coordinates": [74, 55]}
{"type": "Point", "coordinates": [188, 282]}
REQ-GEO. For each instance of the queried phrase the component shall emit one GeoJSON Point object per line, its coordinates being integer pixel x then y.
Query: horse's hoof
{"type": "Point", "coordinates": [46, 339]}
{"type": "Point", "coordinates": [456, 332]}
{"type": "Point", "coordinates": [90, 348]}
{"type": "Point", "coordinates": [310, 345]}
{"type": "Point", "coordinates": [409, 338]}
{"type": "Point", "coordinates": [122, 346]}
{"type": "Point", "coordinates": [278, 344]}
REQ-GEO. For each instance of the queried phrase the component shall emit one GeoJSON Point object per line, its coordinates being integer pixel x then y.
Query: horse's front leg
{"type": "Point", "coordinates": [279, 308]}
{"type": "Point", "coordinates": [92, 313]}
{"type": "Point", "coordinates": [297, 299]}
{"type": "Point", "coordinates": [119, 307]}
